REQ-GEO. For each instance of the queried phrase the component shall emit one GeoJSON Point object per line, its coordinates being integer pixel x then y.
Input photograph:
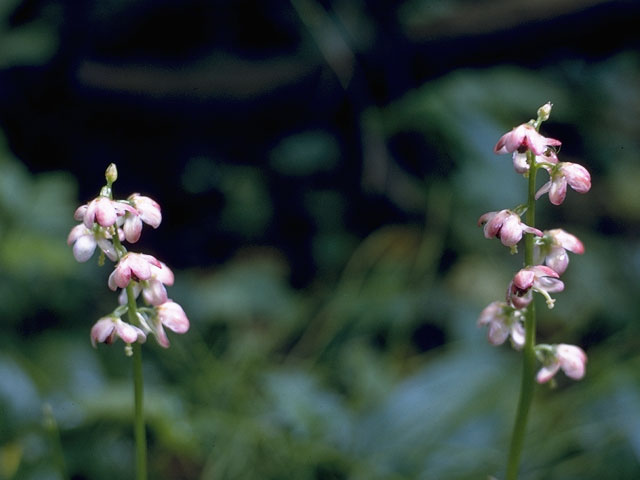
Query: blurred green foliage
{"type": "Point", "coordinates": [377, 372]}
{"type": "Point", "coordinates": [29, 44]}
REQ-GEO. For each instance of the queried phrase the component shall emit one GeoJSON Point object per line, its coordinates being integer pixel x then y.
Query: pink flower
{"type": "Point", "coordinates": [562, 174]}
{"type": "Point", "coordinates": [153, 289]}
{"type": "Point", "coordinates": [523, 138]}
{"type": "Point", "coordinates": [521, 165]}
{"type": "Point", "coordinates": [571, 359]}
{"type": "Point", "coordinates": [108, 329]}
{"type": "Point", "coordinates": [506, 226]}
{"type": "Point", "coordinates": [84, 242]}
{"type": "Point", "coordinates": [553, 246]}
{"type": "Point", "coordinates": [102, 210]}
{"type": "Point", "coordinates": [539, 278]}
{"type": "Point", "coordinates": [503, 321]}
{"type": "Point", "coordinates": [172, 316]}
{"type": "Point", "coordinates": [146, 210]}
{"type": "Point", "coordinates": [132, 266]}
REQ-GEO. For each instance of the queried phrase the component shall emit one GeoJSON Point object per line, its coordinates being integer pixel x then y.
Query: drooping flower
{"type": "Point", "coordinates": [85, 240]}
{"type": "Point", "coordinates": [522, 138]}
{"type": "Point", "coordinates": [146, 210]}
{"type": "Point", "coordinates": [503, 321]}
{"type": "Point", "coordinates": [132, 266]}
{"type": "Point", "coordinates": [102, 210]}
{"type": "Point", "coordinates": [563, 173]}
{"type": "Point", "coordinates": [571, 359]}
{"type": "Point", "coordinates": [552, 249]}
{"type": "Point", "coordinates": [171, 315]}
{"type": "Point", "coordinates": [505, 225]}
{"type": "Point", "coordinates": [538, 278]}
{"type": "Point", "coordinates": [108, 329]}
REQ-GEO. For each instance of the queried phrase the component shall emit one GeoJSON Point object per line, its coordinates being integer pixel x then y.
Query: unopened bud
{"type": "Point", "coordinates": [111, 174]}
{"type": "Point", "coordinates": [544, 111]}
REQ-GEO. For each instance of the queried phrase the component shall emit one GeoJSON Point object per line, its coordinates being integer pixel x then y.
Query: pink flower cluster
{"type": "Point", "coordinates": [526, 138]}
{"type": "Point", "coordinates": [107, 224]}
{"type": "Point", "coordinates": [506, 319]}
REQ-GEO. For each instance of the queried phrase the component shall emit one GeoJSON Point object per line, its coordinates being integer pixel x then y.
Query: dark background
{"type": "Point", "coordinates": [321, 166]}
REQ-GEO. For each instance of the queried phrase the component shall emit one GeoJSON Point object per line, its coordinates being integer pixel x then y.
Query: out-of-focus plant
{"type": "Point", "coordinates": [28, 44]}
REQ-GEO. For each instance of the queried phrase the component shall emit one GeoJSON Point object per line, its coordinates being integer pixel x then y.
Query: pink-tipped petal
{"type": "Point", "coordinates": [557, 259]}
{"type": "Point", "coordinates": [523, 280]}
{"type": "Point", "coordinates": [546, 373]}
{"type": "Point", "coordinates": [148, 209]}
{"type": "Point", "coordinates": [132, 228]}
{"type": "Point", "coordinates": [558, 190]}
{"type": "Point", "coordinates": [572, 360]}
{"type": "Point", "coordinates": [173, 317]}
{"type": "Point", "coordinates": [154, 293]}
{"type": "Point", "coordinates": [102, 330]}
{"type": "Point", "coordinates": [577, 176]}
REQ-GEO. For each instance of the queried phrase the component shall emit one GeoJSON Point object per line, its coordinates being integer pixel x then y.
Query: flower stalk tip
{"type": "Point", "coordinates": [111, 174]}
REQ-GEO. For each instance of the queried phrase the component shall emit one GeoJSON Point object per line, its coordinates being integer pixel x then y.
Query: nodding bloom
{"type": "Point", "coordinates": [153, 289]}
{"type": "Point", "coordinates": [552, 249]}
{"type": "Point", "coordinates": [539, 278]}
{"type": "Point", "coordinates": [84, 242]}
{"type": "Point", "coordinates": [172, 316]}
{"type": "Point", "coordinates": [521, 165]}
{"type": "Point", "coordinates": [522, 138]}
{"type": "Point", "coordinates": [562, 174]}
{"type": "Point", "coordinates": [503, 321]}
{"type": "Point", "coordinates": [506, 226]}
{"type": "Point", "coordinates": [108, 329]}
{"type": "Point", "coordinates": [103, 211]}
{"type": "Point", "coordinates": [146, 210]}
{"type": "Point", "coordinates": [132, 266]}
{"type": "Point", "coordinates": [571, 359]}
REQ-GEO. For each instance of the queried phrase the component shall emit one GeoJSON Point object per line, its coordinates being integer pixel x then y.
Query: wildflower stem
{"type": "Point", "coordinates": [528, 358]}
{"type": "Point", "coordinates": [138, 394]}
{"type": "Point", "coordinates": [51, 426]}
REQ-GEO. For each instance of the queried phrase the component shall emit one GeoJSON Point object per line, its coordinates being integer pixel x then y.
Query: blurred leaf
{"type": "Point", "coordinates": [305, 153]}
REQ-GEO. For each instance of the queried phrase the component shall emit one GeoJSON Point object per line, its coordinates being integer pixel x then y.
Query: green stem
{"type": "Point", "coordinates": [56, 443]}
{"type": "Point", "coordinates": [138, 394]}
{"type": "Point", "coordinates": [136, 350]}
{"type": "Point", "coordinates": [528, 358]}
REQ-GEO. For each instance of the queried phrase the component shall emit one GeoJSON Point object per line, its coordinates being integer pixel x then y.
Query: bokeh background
{"type": "Point", "coordinates": [321, 165]}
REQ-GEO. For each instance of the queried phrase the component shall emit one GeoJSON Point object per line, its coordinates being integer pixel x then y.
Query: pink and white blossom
{"type": "Point", "coordinates": [571, 359]}
{"type": "Point", "coordinates": [505, 225]}
{"type": "Point", "coordinates": [552, 249]}
{"type": "Point", "coordinates": [132, 266]}
{"type": "Point", "coordinates": [539, 278]}
{"type": "Point", "coordinates": [153, 289]}
{"type": "Point", "coordinates": [108, 329]}
{"type": "Point", "coordinates": [563, 174]}
{"type": "Point", "coordinates": [170, 315]}
{"type": "Point", "coordinates": [85, 240]}
{"type": "Point", "coordinates": [522, 138]}
{"type": "Point", "coordinates": [146, 210]}
{"type": "Point", "coordinates": [103, 211]}
{"type": "Point", "coordinates": [503, 321]}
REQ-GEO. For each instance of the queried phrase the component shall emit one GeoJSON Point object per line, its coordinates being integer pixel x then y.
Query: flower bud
{"type": "Point", "coordinates": [544, 111]}
{"type": "Point", "coordinates": [111, 174]}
